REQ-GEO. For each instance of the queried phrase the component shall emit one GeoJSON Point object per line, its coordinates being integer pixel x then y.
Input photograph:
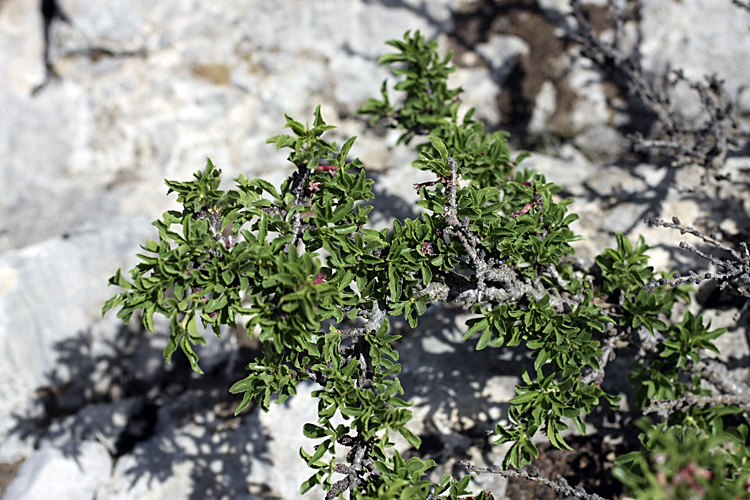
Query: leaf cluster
{"type": "Point", "coordinates": [428, 102]}
{"type": "Point", "coordinates": [678, 461]}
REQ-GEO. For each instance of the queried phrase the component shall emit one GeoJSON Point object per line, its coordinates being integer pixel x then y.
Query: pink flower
{"type": "Point", "coordinates": [331, 169]}
{"type": "Point", "coordinates": [524, 210]}
{"type": "Point", "coordinates": [320, 278]}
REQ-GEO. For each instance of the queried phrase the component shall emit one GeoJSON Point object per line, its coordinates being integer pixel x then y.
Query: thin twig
{"type": "Point", "coordinates": [665, 407]}
{"type": "Point", "coordinates": [530, 473]}
{"type": "Point", "coordinates": [736, 270]}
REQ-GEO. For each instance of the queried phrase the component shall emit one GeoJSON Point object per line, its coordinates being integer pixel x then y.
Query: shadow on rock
{"type": "Point", "coordinates": [157, 421]}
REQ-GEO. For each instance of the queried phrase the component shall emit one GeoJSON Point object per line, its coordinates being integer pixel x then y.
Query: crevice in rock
{"type": "Point", "coordinates": [547, 34]}
{"type": "Point", "coordinates": [527, 20]}
{"type": "Point", "coordinates": [141, 426]}
{"type": "Point", "coordinates": [97, 52]}
{"type": "Point", "coordinates": [51, 12]}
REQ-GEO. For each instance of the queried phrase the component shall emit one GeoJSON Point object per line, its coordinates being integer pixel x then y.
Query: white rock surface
{"type": "Point", "coordinates": [701, 38]}
{"type": "Point", "coordinates": [51, 293]}
{"type": "Point", "coordinates": [70, 473]}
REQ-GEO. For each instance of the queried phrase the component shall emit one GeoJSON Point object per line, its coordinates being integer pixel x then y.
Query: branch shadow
{"type": "Point", "coordinates": [388, 206]}
{"type": "Point", "coordinates": [462, 393]}
{"type": "Point", "coordinates": [153, 418]}
{"type": "Point", "coordinates": [457, 388]}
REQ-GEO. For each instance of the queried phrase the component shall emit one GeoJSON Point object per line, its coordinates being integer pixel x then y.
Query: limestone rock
{"type": "Point", "coordinates": [51, 295]}
{"type": "Point", "coordinates": [72, 473]}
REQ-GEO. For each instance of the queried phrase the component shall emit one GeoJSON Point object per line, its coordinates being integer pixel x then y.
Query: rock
{"type": "Point", "coordinates": [198, 454]}
{"type": "Point", "coordinates": [72, 473]}
{"type": "Point", "coordinates": [701, 39]}
{"type": "Point", "coordinates": [144, 94]}
{"type": "Point", "coordinates": [52, 294]}
{"type": "Point", "coordinates": [545, 105]}
{"type": "Point", "coordinates": [502, 53]}
{"type": "Point", "coordinates": [104, 423]}
{"type": "Point", "coordinates": [23, 67]}
{"type": "Point", "coordinates": [568, 168]}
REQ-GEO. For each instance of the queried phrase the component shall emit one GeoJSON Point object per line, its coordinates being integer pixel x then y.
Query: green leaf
{"type": "Point", "coordinates": [345, 150]}
{"type": "Point", "coordinates": [148, 317]}
{"type": "Point", "coordinates": [541, 358]}
{"type": "Point", "coordinates": [319, 452]}
{"type": "Point", "coordinates": [525, 397]}
{"type": "Point", "coordinates": [484, 339]}
{"type": "Point", "coordinates": [476, 324]}
{"type": "Point", "coordinates": [342, 211]}
{"type": "Point", "coordinates": [413, 439]}
{"type": "Point", "coordinates": [439, 145]}
{"type": "Point", "coordinates": [112, 303]}
{"type": "Point", "coordinates": [311, 482]}
{"type": "Point", "coordinates": [267, 187]}
{"type": "Point", "coordinates": [151, 246]}
{"type": "Point", "coordinates": [311, 431]}
{"type": "Point", "coordinates": [463, 484]}
{"type": "Point", "coordinates": [187, 348]}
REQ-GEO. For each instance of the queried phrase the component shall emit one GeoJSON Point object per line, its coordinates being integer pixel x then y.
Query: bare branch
{"type": "Point", "coordinates": [736, 270]}
{"type": "Point", "coordinates": [665, 407]}
{"type": "Point", "coordinates": [718, 375]}
{"type": "Point", "coordinates": [704, 143]}
{"type": "Point", "coordinates": [530, 473]}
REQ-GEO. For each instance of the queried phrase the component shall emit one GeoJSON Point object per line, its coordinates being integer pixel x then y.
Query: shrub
{"type": "Point", "coordinates": [299, 264]}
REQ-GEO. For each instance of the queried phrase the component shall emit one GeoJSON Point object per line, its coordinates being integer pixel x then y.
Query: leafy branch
{"type": "Point", "coordinates": [299, 267]}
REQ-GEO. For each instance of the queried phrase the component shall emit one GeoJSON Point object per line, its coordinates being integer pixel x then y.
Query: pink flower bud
{"type": "Point", "coordinates": [331, 169]}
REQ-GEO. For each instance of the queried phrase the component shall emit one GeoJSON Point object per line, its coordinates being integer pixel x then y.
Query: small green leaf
{"type": "Point", "coordinates": [187, 348]}
{"type": "Point", "coordinates": [311, 431]}
{"type": "Point", "coordinates": [525, 397]}
{"type": "Point", "coordinates": [439, 145]}
{"type": "Point", "coordinates": [484, 339]}
{"type": "Point", "coordinates": [345, 150]}
{"type": "Point", "coordinates": [148, 317]}
{"type": "Point", "coordinates": [541, 358]}
{"type": "Point", "coordinates": [320, 450]}
{"type": "Point", "coordinates": [311, 482]}
{"type": "Point", "coordinates": [413, 439]}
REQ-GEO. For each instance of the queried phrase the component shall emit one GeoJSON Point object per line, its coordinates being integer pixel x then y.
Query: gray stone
{"type": "Point", "coordinates": [195, 453]}
{"type": "Point", "coordinates": [701, 38]}
{"type": "Point", "coordinates": [145, 93]}
{"type": "Point", "coordinates": [567, 167]}
{"type": "Point", "coordinates": [502, 52]}
{"type": "Point", "coordinates": [544, 108]}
